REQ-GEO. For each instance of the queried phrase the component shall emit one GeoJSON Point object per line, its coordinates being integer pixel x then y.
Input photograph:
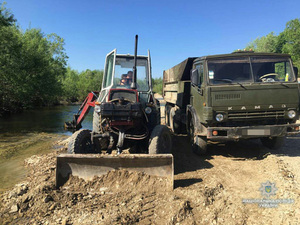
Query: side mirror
{"type": "Point", "coordinates": [296, 71]}
{"type": "Point", "coordinates": [195, 77]}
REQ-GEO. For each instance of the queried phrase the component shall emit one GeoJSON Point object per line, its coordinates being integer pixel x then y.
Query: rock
{"type": "Point", "coordinates": [103, 189]}
{"type": "Point", "coordinates": [14, 208]}
{"type": "Point", "coordinates": [12, 194]}
{"type": "Point", "coordinates": [48, 198]}
{"type": "Point", "coordinates": [52, 207]}
{"type": "Point", "coordinates": [65, 221]}
{"type": "Point", "coordinates": [22, 188]}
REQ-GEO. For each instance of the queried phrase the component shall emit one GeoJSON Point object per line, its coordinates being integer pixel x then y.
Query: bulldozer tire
{"type": "Point", "coordinates": [81, 142]}
{"type": "Point", "coordinates": [160, 140]}
{"type": "Point", "coordinates": [174, 124]}
{"type": "Point", "coordinates": [273, 143]}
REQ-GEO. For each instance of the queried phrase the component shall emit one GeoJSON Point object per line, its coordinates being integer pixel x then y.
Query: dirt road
{"type": "Point", "coordinates": [208, 190]}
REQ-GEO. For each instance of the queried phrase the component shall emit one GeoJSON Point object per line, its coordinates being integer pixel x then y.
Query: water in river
{"type": "Point", "coordinates": [50, 120]}
{"type": "Point", "coordinates": [29, 133]}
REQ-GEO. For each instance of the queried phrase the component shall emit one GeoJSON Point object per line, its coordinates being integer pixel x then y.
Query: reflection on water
{"type": "Point", "coordinates": [30, 133]}
{"type": "Point", "coordinates": [50, 120]}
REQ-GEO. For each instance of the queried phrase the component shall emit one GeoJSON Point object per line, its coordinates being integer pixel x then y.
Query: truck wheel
{"type": "Point", "coordinates": [198, 143]}
{"type": "Point", "coordinates": [80, 142]}
{"type": "Point", "coordinates": [174, 124]}
{"type": "Point", "coordinates": [160, 140]}
{"type": "Point", "coordinates": [273, 142]}
{"type": "Point", "coordinates": [167, 114]}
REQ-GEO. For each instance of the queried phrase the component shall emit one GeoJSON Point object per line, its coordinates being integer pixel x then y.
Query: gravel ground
{"type": "Point", "coordinates": [208, 190]}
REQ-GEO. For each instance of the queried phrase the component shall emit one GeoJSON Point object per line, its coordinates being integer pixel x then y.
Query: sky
{"type": "Point", "coordinates": [172, 30]}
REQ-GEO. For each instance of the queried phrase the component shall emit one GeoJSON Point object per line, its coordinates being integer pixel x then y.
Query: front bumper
{"type": "Point", "coordinates": [235, 133]}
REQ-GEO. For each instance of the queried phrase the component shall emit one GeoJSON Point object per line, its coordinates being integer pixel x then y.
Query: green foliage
{"type": "Point", "coordinates": [6, 18]}
{"type": "Point", "coordinates": [32, 66]}
{"type": "Point", "coordinates": [288, 41]}
{"type": "Point", "coordinates": [264, 44]}
{"type": "Point", "coordinates": [292, 40]}
{"type": "Point", "coordinates": [77, 85]}
{"type": "Point", "coordinates": [157, 84]}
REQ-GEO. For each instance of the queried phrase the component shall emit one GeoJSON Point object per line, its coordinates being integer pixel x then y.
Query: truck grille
{"type": "Point", "coordinates": [255, 115]}
{"type": "Point", "coordinates": [220, 97]}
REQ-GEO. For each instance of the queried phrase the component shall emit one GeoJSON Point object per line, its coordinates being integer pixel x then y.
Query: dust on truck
{"type": "Point", "coordinates": [233, 96]}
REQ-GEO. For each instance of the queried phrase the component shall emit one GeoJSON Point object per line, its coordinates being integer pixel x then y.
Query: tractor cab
{"type": "Point", "coordinates": [125, 109]}
{"type": "Point", "coordinates": [119, 78]}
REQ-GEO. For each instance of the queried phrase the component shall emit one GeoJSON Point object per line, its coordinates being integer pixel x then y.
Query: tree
{"type": "Point", "coordinates": [288, 41]}
{"type": "Point", "coordinates": [6, 17]}
{"type": "Point", "coordinates": [264, 44]}
{"type": "Point", "coordinates": [292, 40]}
{"type": "Point", "coordinates": [32, 66]}
{"type": "Point", "coordinates": [157, 84]}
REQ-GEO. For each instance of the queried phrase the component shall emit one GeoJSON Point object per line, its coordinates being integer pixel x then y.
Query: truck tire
{"type": "Point", "coordinates": [167, 114]}
{"type": "Point", "coordinates": [81, 143]}
{"type": "Point", "coordinates": [174, 124]}
{"type": "Point", "coordinates": [273, 142]}
{"type": "Point", "coordinates": [198, 143]}
{"type": "Point", "coordinates": [160, 140]}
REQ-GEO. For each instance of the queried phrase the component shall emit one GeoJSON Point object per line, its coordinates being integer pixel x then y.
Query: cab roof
{"type": "Point", "coordinates": [242, 53]}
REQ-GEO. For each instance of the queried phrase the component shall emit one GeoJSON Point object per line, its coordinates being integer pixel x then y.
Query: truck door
{"type": "Point", "coordinates": [197, 92]}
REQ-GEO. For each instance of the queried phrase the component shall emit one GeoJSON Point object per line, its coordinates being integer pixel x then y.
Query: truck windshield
{"type": "Point", "coordinates": [250, 69]}
{"type": "Point", "coordinates": [124, 73]}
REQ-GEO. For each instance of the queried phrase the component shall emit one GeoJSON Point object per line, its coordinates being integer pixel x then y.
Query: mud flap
{"type": "Point", "coordinates": [87, 166]}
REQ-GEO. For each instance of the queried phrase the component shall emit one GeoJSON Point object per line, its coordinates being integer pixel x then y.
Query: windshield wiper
{"type": "Point", "coordinates": [284, 84]}
{"type": "Point", "coordinates": [230, 82]}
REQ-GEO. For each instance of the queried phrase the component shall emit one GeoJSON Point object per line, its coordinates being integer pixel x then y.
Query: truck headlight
{"type": "Point", "coordinates": [291, 114]}
{"type": "Point", "coordinates": [219, 117]}
{"type": "Point", "coordinates": [97, 108]}
{"type": "Point", "coordinates": [148, 110]}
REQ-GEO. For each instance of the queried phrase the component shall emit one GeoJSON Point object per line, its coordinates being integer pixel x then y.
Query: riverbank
{"type": "Point", "coordinates": [14, 148]}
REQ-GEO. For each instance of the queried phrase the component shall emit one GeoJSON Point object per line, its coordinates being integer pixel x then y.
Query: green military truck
{"type": "Point", "coordinates": [234, 96]}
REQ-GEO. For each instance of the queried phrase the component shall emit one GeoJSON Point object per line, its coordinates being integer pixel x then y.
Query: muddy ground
{"type": "Point", "coordinates": [208, 190]}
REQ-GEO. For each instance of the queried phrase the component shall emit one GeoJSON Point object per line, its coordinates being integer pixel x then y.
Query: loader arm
{"type": "Point", "coordinates": [82, 112]}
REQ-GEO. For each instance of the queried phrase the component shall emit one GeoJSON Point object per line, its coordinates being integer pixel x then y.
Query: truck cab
{"type": "Point", "coordinates": [236, 96]}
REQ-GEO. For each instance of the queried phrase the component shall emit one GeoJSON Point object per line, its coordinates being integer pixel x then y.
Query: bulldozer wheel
{"type": "Point", "coordinates": [160, 140]}
{"type": "Point", "coordinates": [80, 142]}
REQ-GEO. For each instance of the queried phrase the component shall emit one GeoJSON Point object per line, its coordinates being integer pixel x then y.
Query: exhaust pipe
{"type": "Point", "coordinates": [133, 84]}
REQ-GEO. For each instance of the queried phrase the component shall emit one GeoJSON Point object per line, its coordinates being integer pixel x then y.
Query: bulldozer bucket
{"type": "Point", "coordinates": [87, 166]}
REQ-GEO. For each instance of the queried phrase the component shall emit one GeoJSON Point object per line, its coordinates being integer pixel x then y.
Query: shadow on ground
{"type": "Point", "coordinates": [253, 149]}
{"type": "Point", "coordinates": [186, 161]}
